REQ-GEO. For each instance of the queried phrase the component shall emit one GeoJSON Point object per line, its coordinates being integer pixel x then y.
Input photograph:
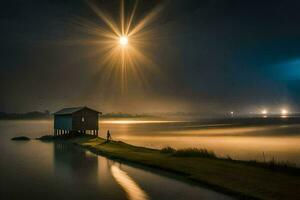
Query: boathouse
{"type": "Point", "coordinates": [76, 120]}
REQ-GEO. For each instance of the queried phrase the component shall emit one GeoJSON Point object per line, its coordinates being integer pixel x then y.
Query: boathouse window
{"type": "Point", "coordinates": [82, 119]}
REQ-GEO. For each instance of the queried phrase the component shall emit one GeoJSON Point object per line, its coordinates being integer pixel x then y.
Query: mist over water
{"type": "Point", "coordinates": [280, 141]}
{"type": "Point", "coordinates": [47, 170]}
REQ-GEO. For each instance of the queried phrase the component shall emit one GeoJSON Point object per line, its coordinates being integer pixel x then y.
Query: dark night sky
{"type": "Point", "coordinates": [213, 56]}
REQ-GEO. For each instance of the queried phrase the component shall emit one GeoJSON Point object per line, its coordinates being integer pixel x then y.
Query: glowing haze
{"type": "Point", "coordinates": [150, 56]}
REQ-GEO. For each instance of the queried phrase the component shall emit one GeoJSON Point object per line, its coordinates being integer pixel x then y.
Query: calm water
{"type": "Point", "coordinates": [39, 170]}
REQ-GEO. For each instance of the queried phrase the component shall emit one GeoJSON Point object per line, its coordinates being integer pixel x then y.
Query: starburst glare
{"type": "Point", "coordinates": [121, 44]}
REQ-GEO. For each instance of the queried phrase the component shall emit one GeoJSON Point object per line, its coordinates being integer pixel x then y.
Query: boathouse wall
{"type": "Point", "coordinates": [63, 122]}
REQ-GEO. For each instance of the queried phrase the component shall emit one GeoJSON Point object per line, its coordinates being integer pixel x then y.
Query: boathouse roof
{"type": "Point", "coordinates": [72, 110]}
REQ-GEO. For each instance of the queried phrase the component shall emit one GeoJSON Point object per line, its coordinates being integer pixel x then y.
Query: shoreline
{"type": "Point", "coordinates": [240, 179]}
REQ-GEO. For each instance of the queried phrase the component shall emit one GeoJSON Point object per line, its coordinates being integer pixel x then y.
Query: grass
{"type": "Point", "coordinates": [189, 152]}
{"type": "Point", "coordinates": [204, 153]}
{"type": "Point", "coordinates": [276, 165]}
{"type": "Point", "coordinates": [168, 150]}
{"type": "Point", "coordinates": [244, 179]}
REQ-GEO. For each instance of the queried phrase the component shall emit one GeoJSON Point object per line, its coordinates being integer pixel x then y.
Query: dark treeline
{"type": "Point", "coordinates": [28, 115]}
{"type": "Point", "coordinates": [48, 115]}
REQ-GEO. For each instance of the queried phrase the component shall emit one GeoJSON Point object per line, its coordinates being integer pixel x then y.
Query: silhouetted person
{"type": "Point", "coordinates": [108, 136]}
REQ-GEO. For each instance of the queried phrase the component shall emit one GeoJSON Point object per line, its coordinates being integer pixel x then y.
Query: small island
{"type": "Point", "coordinates": [20, 138]}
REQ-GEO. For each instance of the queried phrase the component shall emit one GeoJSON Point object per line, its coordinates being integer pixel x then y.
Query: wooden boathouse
{"type": "Point", "coordinates": [76, 120]}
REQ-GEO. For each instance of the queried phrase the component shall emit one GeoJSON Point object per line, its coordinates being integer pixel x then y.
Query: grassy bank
{"type": "Point", "coordinates": [243, 179]}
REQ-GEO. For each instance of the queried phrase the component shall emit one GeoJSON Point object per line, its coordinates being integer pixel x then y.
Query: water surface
{"type": "Point", "coordinates": [47, 170]}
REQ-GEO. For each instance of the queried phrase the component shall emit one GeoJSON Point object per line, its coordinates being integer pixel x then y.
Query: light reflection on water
{"type": "Point", "coordinates": [136, 121]}
{"type": "Point", "coordinates": [132, 189]}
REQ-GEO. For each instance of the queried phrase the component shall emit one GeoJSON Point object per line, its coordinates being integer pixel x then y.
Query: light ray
{"type": "Point", "coordinates": [122, 16]}
{"type": "Point", "coordinates": [92, 28]}
{"type": "Point", "coordinates": [131, 17]}
{"type": "Point", "coordinates": [105, 18]}
{"type": "Point", "coordinates": [147, 19]}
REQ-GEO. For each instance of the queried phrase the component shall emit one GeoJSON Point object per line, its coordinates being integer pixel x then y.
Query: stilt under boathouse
{"type": "Point", "coordinates": [82, 120]}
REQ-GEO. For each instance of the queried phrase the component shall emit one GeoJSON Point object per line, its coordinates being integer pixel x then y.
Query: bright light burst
{"type": "Point", "coordinates": [121, 45]}
{"type": "Point", "coordinates": [123, 40]}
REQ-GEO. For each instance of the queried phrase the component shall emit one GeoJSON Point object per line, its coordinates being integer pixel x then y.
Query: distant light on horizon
{"type": "Point", "coordinates": [284, 112]}
{"type": "Point", "coordinates": [264, 112]}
